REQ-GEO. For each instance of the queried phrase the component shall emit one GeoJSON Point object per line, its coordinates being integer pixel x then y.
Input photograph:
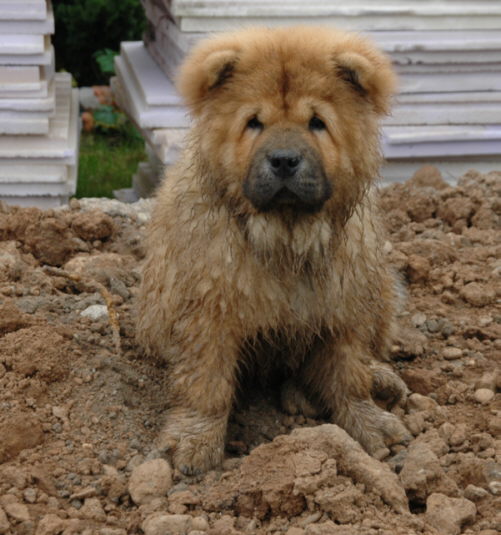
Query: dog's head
{"type": "Point", "coordinates": [287, 118]}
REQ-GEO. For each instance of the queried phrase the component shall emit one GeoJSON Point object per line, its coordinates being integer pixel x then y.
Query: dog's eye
{"type": "Point", "coordinates": [255, 124]}
{"type": "Point", "coordinates": [316, 123]}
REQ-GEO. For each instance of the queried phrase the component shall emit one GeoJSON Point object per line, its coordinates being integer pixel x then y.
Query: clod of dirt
{"type": "Point", "coordinates": [50, 524]}
{"type": "Point", "coordinates": [4, 522]}
{"type": "Point", "coordinates": [36, 351]}
{"type": "Point", "coordinates": [422, 475]}
{"type": "Point", "coordinates": [448, 515]}
{"type": "Point", "coordinates": [19, 431]}
{"type": "Point", "coordinates": [322, 464]}
{"type": "Point", "coordinates": [11, 264]}
{"type": "Point", "coordinates": [150, 480]}
{"type": "Point", "coordinates": [93, 225]}
{"type": "Point", "coordinates": [428, 176]}
{"type": "Point", "coordinates": [161, 523]}
{"type": "Point", "coordinates": [17, 511]}
{"type": "Point", "coordinates": [478, 295]}
{"type": "Point", "coordinates": [11, 318]}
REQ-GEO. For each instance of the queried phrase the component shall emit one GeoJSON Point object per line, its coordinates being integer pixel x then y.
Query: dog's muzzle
{"type": "Point", "coordinates": [286, 177]}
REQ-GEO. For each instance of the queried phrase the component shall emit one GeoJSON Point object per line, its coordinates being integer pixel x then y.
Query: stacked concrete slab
{"type": "Point", "coordinates": [447, 54]}
{"type": "Point", "coordinates": [38, 110]}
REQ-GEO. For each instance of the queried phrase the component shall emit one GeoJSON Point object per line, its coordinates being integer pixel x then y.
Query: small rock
{"type": "Point", "coordinates": [418, 319]}
{"type": "Point", "coordinates": [484, 395]}
{"type": "Point", "coordinates": [81, 494]}
{"type": "Point", "coordinates": [415, 422]}
{"type": "Point", "coordinates": [478, 295]}
{"type": "Point", "coordinates": [475, 494]}
{"type": "Point", "coordinates": [418, 268]}
{"type": "Point", "coordinates": [458, 435]}
{"type": "Point", "coordinates": [428, 176]}
{"type": "Point", "coordinates": [495, 488]}
{"type": "Point", "coordinates": [17, 511]}
{"type": "Point", "coordinates": [150, 480]}
{"type": "Point", "coordinates": [135, 460]}
{"type": "Point", "coordinates": [50, 525]}
{"type": "Point", "coordinates": [448, 515]}
{"type": "Point", "coordinates": [417, 403]}
{"type": "Point", "coordinates": [30, 495]}
{"type": "Point", "coordinates": [488, 380]}
{"type": "Point", "coordinates": [199, 523]}
{"type": "Point", "coordinates": [93, 225]}
{"type": "Point", "coordinates": [295, 531]}
{"type": "Point", "coordinates": [422, 475]}
{"type": "Point", "coordinates": [452, 353]}
{"type": "Point", "coordinates": [161, 523]}
{"type": "Point", "coordinates": [495, 426]}
{"type": "Point", "coordinates": [432, 325]}
{"type": "Point", "coordinates": [421, 380]}
{"type": "Point", "coordinates": [4, 523]}
{"type": "Point", "coordinates": [92, 510]}
{"type": "Point", "coordinates": [95, 312]}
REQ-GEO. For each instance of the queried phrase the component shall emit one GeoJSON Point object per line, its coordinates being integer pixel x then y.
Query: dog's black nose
{"type": "Point", "coordinates": [284, 163]}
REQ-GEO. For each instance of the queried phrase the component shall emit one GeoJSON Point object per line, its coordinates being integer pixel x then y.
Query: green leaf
{"type": "Point", "coordinates": [105, 60]}
{"type": "Point", "coordinates": [107, 116]}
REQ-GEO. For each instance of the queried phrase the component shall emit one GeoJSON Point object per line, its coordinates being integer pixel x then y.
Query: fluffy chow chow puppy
{"type": "Point", "coordinates": [264, 245]}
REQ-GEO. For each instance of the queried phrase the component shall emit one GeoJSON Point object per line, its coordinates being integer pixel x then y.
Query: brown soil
{"type": "Point", "coordinates": [77, 416]}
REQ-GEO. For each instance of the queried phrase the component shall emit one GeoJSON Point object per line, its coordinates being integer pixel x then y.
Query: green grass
{"type": "Point", "coordinates": [107, 162]}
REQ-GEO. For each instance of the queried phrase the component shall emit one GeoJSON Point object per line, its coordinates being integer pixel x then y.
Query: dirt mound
{"type": "Point", "coordinates": [79, 417]}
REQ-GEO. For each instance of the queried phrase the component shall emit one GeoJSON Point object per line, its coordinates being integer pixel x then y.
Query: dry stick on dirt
{"type": "Point", "coordinates": [94, 285]}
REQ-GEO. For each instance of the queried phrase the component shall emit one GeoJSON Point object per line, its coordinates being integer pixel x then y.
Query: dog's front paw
{"type": "Point", "coordinates": [377, 430]}
{"type": "Point", "coordinates": [198, 454]}
{"type": "Point", "coordinates": [387, 386]}
{"type": "Point", "coordinates": [194, 443]}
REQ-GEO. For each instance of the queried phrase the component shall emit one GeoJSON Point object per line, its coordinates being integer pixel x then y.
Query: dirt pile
{"type": "Point", "coordinates": [78, 418]}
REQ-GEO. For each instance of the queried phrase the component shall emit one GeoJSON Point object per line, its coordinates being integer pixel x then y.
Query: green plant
{"type": "Point", "coordinates": [106, 60]}
{"type": "Point", "coordinates": [88, 31]}
{"type": "Point", "coordinates": [107, 162]}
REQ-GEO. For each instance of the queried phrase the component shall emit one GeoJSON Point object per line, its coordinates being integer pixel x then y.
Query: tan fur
{"type": "Point", "coordinates": [221, 276]}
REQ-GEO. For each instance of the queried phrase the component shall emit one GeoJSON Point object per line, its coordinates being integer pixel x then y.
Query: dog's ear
{"type": "Point", "coordinates": [370, 74]}
{"type": "Point", "coordinates": [204, 72]}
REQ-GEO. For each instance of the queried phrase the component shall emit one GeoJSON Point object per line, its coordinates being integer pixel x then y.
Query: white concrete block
{"type": "Point", "coordinates": [438, 41]}
{"type": "Point", "coordinates": [465, 97]}
{"type": "Point", "coordinates": [159, 18]}
{"type": "Point", "coordinates": [13, 76]}
{"type": "Point", "coordinates": [24, 123]}
{"type": "Point", "coordinates": [167, 63]}
{"type": "Point", "coordinates": [21, 44]}
{"type": "Point", "coordinates": [38, 104]}
{"type": "Point", "coordinates": [26, 173]}
{"type": "Point", "coordinates": [353, 16]}
{"type": "Point", "coordinates": [155, 88]}
{"type": "Point", "coordinates": [450, 81]}
{"type": "Point", "coordinates": [61, 143]}
{"type": "Point", "coordinates": [45, 58]}
{"type": "Point", "coordinates": [41, 184]}
{"type": "Point", "coordinates": [38, 27]}
{"type": "Point", "coordinates": [23, 9]}
{"type": "Point", "coordinates": [44, 202]}
{"type": "Point", "coordinates": [445, 113]}
{"type": "Point", "coordinates": [397, 135]}
{"type": "Point", "coordinates": [26, 81]}
{"type": "Point", "coordinates": [143, 115]}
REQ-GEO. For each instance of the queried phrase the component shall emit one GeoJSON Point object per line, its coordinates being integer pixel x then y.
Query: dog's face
{"type": "Point", "coordinates": [287, 118]}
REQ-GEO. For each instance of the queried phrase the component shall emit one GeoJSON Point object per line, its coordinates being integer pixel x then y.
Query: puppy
{"type": "Point", "coordinates": [265, 234]}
